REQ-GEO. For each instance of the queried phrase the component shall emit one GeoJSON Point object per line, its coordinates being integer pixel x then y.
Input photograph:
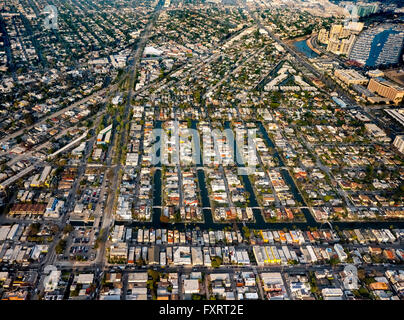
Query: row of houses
{"type": "Point", "coordinates": [371, 235]}
{"type": "Point", "coordinates": [8, 232]}
{"type": "Point", "coordinates": [178, 255]}
{"type": "Point", "coordinates": [265, 255]}
{"type": "Point", "coordinates": [291, 237]}
{"type": "Point", "coordinates": [21, 254]}
{"type": "Point", "coordinates": [195, 237]}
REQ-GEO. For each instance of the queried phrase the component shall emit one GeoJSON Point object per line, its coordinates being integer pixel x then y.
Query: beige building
{"type": "Point", "coordinates": [343, 46]}
{"type": "Point", "coordinates": [355, 27]}
{"type": "Point", "coordinates": [399, 143]}
{"type": "Point", "coordinates": [118, 251]}
{"type": "Point", "coordinates": [346, 45]}
{"type": "Point", "coordinates": [387, 89]}
{"type": "Point", "coordinates": [341, 38]}
{"type": "Point", "coordinates": [344, 33]}
{"type": "Point", "coordinates": [350, 76]}
{"type": "Point", "coordinates": [376, 132]}
{"type": "Point", "coordinates": [336, 30]}
{"type": "Point", "coordinates": [323, 36]}
{"type": "Point", "coordinates": [375, 73]}
{"type": "Point", "coordinates": [333, 45]}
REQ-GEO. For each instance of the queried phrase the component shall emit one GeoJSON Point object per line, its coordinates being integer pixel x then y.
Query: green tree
{"type": "Point", "coordinates": [61, 246]}
{"type": "Point", "coordinates": [216, 262]}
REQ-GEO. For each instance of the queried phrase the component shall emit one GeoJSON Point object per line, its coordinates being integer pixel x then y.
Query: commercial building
{"type": "Point", "coordinates": [376, 132]}
{"type": "Point", "coordinates": [191, 286]}
{"type": "Point", "coordinates": [137, 277]}
{"type": "Point", "coordinates": [355, 27]}
{"type": "Point", "coordinates": [332, 294]}
{"type": "Point", "coordinates": [387, 89]}
{"type": "Point", "coordinates": [375, 73]}
{"type": "Point", "coordinates": [273, 285]}
{"type": "Point", "coordinates": [51, 281]}
{"type": "Point", "coordinates": [350, 76]}
{"type": "Point", "coordinates": [399, 143]}
{"type": "Point", "coordinates": [84, 278]}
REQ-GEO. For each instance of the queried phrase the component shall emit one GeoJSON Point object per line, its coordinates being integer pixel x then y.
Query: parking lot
{"type": "Point", "coordinates": [80, 245]}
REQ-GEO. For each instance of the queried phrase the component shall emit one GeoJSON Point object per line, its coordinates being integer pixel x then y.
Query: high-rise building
{"type": "Point", "coordinates": [323, 36]}
{"type": "Point", "coordinates": [365, 9]}
{"type": "Point", "coordinates": [347, 45]}
{"type": "Point", "coordinates": [341, 38]}
{"type": "Point", "coordinates": [345, 32]}
{"type": "Point", "coordinates": [335, 32]}
{"type": "Point", "coordinates": [343, 46]}
{"type": "Point", "coordinates": [333, 45]}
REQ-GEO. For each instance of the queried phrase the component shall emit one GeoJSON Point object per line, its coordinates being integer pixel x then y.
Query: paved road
{"type": "Point", "coordinates": [58, 113]}
{"type": "Point", "coordinates": [108, 218]}
{"type": "Point", "coordinates": [50, 258]}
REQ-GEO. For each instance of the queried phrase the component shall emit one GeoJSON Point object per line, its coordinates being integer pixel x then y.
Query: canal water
{"type": "Point", "coordinates": [305, 49]}
{"type": "Point", "coordinates": [203, 190]}
{"type": "Point", "coordinates": [259, 223]}
{"type": "Point", "coordinates": [246, 182]}
{"type": "Point", "coordinates": [157, 201]}
{"type": "Point", "coordinates": [288, 179]}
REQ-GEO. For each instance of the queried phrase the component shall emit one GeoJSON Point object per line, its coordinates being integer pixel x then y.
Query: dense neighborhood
{"type": "Point", "coordinates": [201, 150]}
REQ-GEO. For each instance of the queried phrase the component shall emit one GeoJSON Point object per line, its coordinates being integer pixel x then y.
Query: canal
{"type": "Point", "coordinates": [246, 181]}
{"type": "Point", "coordinates": [302, 47]}
{"type": "Point", "coordinates": [259, 221]}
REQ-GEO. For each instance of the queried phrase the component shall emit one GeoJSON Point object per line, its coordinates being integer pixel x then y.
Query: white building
{"type": "Point", "coordinates": [342, 256]}
{"type": "Point", "coordinates": [191, 286]}
{"type": "Point", "coordinates": [182, 256]}
{"type": "Point", "coordinates": [51, 281]}
{"type": "Point", "coordinates": [197, 257]}
{"type": "Point", "coordinates": [332, 293]}
{"type": "Point", "coordinates": [85, 278]}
